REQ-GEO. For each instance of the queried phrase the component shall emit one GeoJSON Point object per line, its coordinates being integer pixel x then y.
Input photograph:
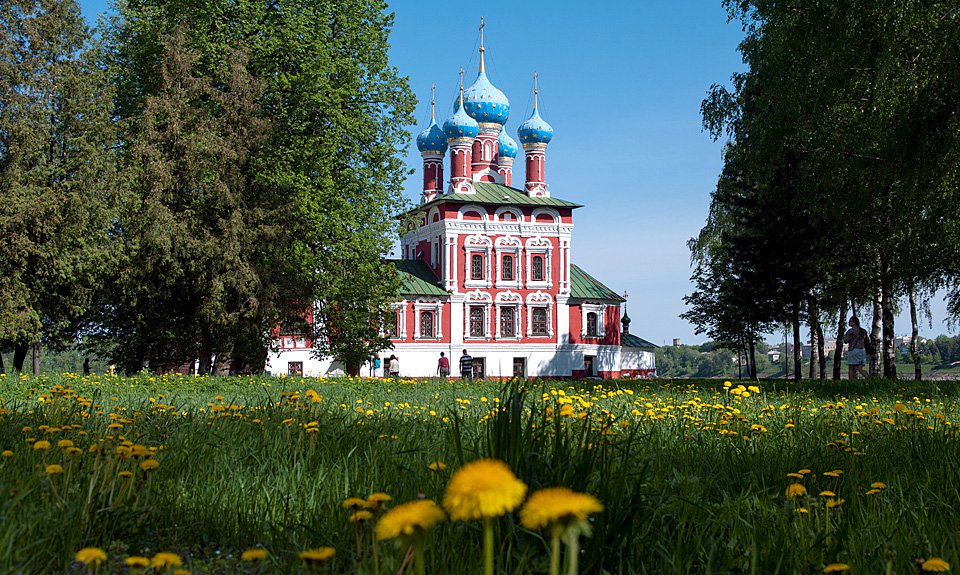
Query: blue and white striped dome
{"type": "Point", "coordinates": [507, 146]}
{"type": "Point", "coordinates": [432, 139]}
{"type": "Point", "coordinates": [485, 102]}
{"type": "Point", "coordinates": [460, 125]}
{"type": "Point", "coordinates": [535, 129]}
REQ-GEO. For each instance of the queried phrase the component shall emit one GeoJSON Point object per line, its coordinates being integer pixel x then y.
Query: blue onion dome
{"type": "Point", "coordinates": [535, 129]}
{"type": "Point", "coordinates": [506, 145]}
{"type": "Point", "coordinates": [432, 139]}
{"type": "Point", "coordinates": [461, 126]}
{"type": "Point", "coordinates": [486, 103]}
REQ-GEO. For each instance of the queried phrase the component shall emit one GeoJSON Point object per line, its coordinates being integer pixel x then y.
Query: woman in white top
{"type": "Point", "coordinates": [855, 338]}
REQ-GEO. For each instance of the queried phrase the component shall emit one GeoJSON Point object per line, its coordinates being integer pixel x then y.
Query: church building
{"type": "Point", "coordinates": [487, 266]}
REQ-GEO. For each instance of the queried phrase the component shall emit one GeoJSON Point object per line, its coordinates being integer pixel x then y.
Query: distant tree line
{"type": "Point", "coordinates": [841, 176]}
{"type": "Point", "coordinates": [195, 174]}
{"type": "Point", "coordinates": [710, 359]}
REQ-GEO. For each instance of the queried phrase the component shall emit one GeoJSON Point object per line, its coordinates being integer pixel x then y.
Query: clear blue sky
{"type": "Point", "coordinates": [621, 84]}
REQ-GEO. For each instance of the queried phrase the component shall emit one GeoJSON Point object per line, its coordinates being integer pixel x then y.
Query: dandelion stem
{"type": "Point", "coordinates": [488, 546]}
{"type": "Point", "coordinates": [419, 558]}
{"type": "Point", "coordinates": [555, 554]}
{"type": "Point", "coordinates": [573, 551]}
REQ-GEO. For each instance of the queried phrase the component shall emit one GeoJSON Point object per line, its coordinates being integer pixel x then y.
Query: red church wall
{"type": "Point", "coordinates": [611, 326]}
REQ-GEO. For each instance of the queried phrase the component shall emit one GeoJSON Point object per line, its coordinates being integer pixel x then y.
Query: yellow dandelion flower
{"type": "Point", "coordinates": [54, 469]}
{"type": "Point", "coordinates": [872, 491]}
{"type": "Point", "coordinates": [834, 473]}
{"type": "Point", "coordinates": [354, 503]}
{"type": "Point", "coordinates": [827, 494]}
{"type": "Point", "coordinates": [7, 453]}
{"type": "Point", "coordinates": [376, 500]}
{"type": "Point", "coordinates": [836, 568]}
{"type": "Point", "coordinates": [65, 443]}
{"type": "Point", "coordinates": [409, 518]}
{"type": "Point", "coordinates": [802, 510]}
{"type": "Point", "coordinates": [803, 471]}
{"type": "Point", "coordinates": [935, 565]}
{"type": "Point", "coordinates": [149, 464]}
{"type": "Point", "coordinates": [163, 560]}
{"type": "Point", "coordinates": [795, 476]}
{"type": "Point", "coordinates": [831, 503]}
{"type": "Point", "coordinates": [481, 489]}
{"type": "Point", "coordinates": [795, 490]}
{"type": "Point", "coordinates": [126, 474]}
{"type": "Point", "coordinates": [557, 506]}
{"type": "Point", "coordinates": [318, 555]}
{"type": "Point", "coordinates": [89, 555]}
{"type": "Point", "coordinates": [360, 516]}
{"type": "Point", "coordinates": [878, 485]}
{"type": "Point", "coordinates": [41, 445]}
{"type": "Point", "coordinates": [254, 555]}
{"type": "Point", "coordinates": [437, 466]}
{"type": "Point", "coordinates": [136, 561]}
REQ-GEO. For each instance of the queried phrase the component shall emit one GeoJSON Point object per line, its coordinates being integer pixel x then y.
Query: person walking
{"type": "Point", "coordinates": [466, 366]}
{"type": "Point", "coordinates": [443, 366]}
{"type": "Point", "coordinates": [394, 367]}
{"type": "Point", "coordinates": [856, 340]}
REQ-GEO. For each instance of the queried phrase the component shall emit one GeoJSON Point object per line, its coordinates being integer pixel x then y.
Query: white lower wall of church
{"type": "Point", "coordinates": [633, 358]}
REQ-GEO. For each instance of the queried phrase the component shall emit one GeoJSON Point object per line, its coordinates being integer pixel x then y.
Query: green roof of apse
{"type": "Point", "coordinates": [630, 340]}
{"type": "Point", "coordinates": [417, 279]}
{"type": "Point", "coordinates": [585, 286]}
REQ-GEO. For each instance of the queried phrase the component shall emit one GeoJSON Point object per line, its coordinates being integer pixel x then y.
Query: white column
{"type": "Point", "coordinates": [563, 320]}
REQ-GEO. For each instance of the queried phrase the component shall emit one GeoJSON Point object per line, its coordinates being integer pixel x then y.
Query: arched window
{"type": "Point", "coordinates": [538, 325]}
{"type": "Point", "coordinates": [508, 322]}
{"type": "Point", "coordinates": [427, 324]}
{"type": "Point", "coordinates": [506, 268]}
{"type": "Point", "coordinates": [476, 267]}
{"type": "Point", "coordinates": [536, 269]}
{"type": "Point", "coordinates": [476, 321]}
{"type": "Point", "coordinates": [592, 324]}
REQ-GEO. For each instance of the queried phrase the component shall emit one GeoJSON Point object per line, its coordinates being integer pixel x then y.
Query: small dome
{"type": "Point", "coordinates": [432, 139]}
{"type": "Point", "coordinates": [485, 102]}
{"type": "Point", "coordinates": [460, 125]}
{"type": "Point", "coordinates": [506, 145]}
{"type": "Point", "coordinates": [535, 129]}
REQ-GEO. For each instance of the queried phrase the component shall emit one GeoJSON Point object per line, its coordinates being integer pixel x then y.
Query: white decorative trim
{"type": "Point", "coordinates": [472, 245]}
{"type": "Point", "coordinates": [400, 308]}
{"type": "Point", "coordinates": [483, 300]}
{"type": "Point", "coordinates": [514, 212]}
{"type": "Point", "coordinates": [597, 308]}
{"type": "Point", "coordinates": [508, 245]}
{"type": "Point", "coordinates": [473, 208]}
{"type": "Point", "coordinates": [434, 305]}
{"type": "Point", "coordinates": [513, 300]}
{"type": "Point", "coordinates": [544, 301]}
{"type": "Point", "coordinates": [539, 246]}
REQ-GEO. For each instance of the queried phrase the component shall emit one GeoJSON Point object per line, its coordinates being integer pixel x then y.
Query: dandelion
{"type": "Point", "coordinates": [437, 466]}
{"type": "Point", "coordinates": [483, 489]}
{"type": "Point", "coordinates": [354, 503]}
{"type": "Point", "coordinates": [827, 494]}
{"type": "Point", "coordinates": [377, 500]}
{"type": "Point", "coordinates": [137, 561]}
{"type": "Point", "coordinates": [258, 554]}
{"type": "Point", "coordinates": [360, 516]}
{"type": "Point", "coordinates": [149, 464]}
{"type": "Point", "coordinates": [54, 469]}
{"type": "Point", "coordinates": [165, 560]}
{"type": "Point", "coordinates": [41, 445]}
{"type": "Point", "coordinates": [318, 555]}
{"type": "Point", "coordinates": [7, 453]}
{"type": "Point", "coordinates": [795, 490]}
{"type": "Point", "coordinates": [836, 568]}
{"type": "Point", "coordinates": [125, 474]}
{"type": "Point", "coordinates": [563, 513]}
{"type": "Point", "coordinates": [89, 555]}
{"type": "Point", "coordinates": [878, 485]}
{"type": "Point", "coordinates": [935, 565]}
{"type": "Point", "coordinates": [408, 523]}
{"type": "Point", "coordinates": [832, 503]}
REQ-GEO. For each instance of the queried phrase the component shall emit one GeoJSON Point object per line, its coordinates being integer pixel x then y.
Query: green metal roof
{"type": "Point", "coordinates": [630, 340]}
{"type": "Point", "coordinates": [491, 193]}
{"type": "Point", "coordinates": [417, 279]}
{"type": "Point", "coordinates": [585, 286]}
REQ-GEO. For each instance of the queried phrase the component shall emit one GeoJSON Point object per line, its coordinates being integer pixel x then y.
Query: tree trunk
{"type": "Point", "coordinates": [917, 370]}
{"type": "Point", "coordinates": [886, 305]}
{"type": "Point", "coordinates": [816, 345]}
{"type": "Point", "coordinates": [204, 364]}
{"type": "Point", "coordinates": [19, 355]}
{"type": "Point", "coordinates": [838, 349]}
{"type": "Point", "coordinates": [36, 358]}
{"type": "Point", "coordinates": [2, 370]}
{"type": "Point", "coordinates": [221, 365]}
{"type": "Point", "coordinates": [752, 365]}
{"type": "Point", "coordinates": [875, 332]}
{"type": "Point", "coordinates": [821, 351]}
{"type": "Point", "coordinates": [797, 345]}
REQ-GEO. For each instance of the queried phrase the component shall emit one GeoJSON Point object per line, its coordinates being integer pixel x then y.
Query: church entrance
{"type": "Point", "coordinates": [520, 367]}
{"type": "Point", "coordinates": [479, 367]}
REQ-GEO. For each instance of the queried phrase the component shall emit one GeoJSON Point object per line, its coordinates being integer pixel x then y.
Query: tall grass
{"type": "Point", "coordinates": [692, 476]}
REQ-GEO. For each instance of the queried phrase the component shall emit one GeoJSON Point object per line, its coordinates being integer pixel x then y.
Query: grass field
{"type": "Point", "coordinates": [694, 476]}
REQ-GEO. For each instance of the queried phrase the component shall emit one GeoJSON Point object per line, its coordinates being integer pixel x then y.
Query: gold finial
{"type": "Point", "coordinates": [461, 86]}
{"type": "Point", "coordinates": [433, 102]}
{"type": "Point", "coordinates": [483, 67]}
{"type": "Point", "coordinates": [535, 90]}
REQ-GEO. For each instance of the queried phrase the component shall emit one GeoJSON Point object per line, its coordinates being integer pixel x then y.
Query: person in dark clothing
{"type": "Point", "coordinates": [86, 366]}
{"type": "Point", "coordinates": [466, 366]}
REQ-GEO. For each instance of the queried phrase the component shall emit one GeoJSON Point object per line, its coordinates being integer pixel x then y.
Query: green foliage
{"type": "Point", "coordinates": [57, 170]}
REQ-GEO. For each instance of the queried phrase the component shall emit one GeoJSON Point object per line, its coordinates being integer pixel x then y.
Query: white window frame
{"type": "Point", "coordinates": [481, 299]}
{"type": "Point", "coordinates": [475, 245]}
{"type": "Point", "coordinates": [435, 306]}
{"type": "Point", "coordinates": [539, 246]}
{"type": "Point", "coordinates": [597, 308]}
{"type": "Point", "coordinates": [508, 246]}
{"type": "Point", "coordinates": [400, 309]}
{"type": "Point", "coordinates": [543, 301]}
{"type": "Point", "coordinates": [511, 300]}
